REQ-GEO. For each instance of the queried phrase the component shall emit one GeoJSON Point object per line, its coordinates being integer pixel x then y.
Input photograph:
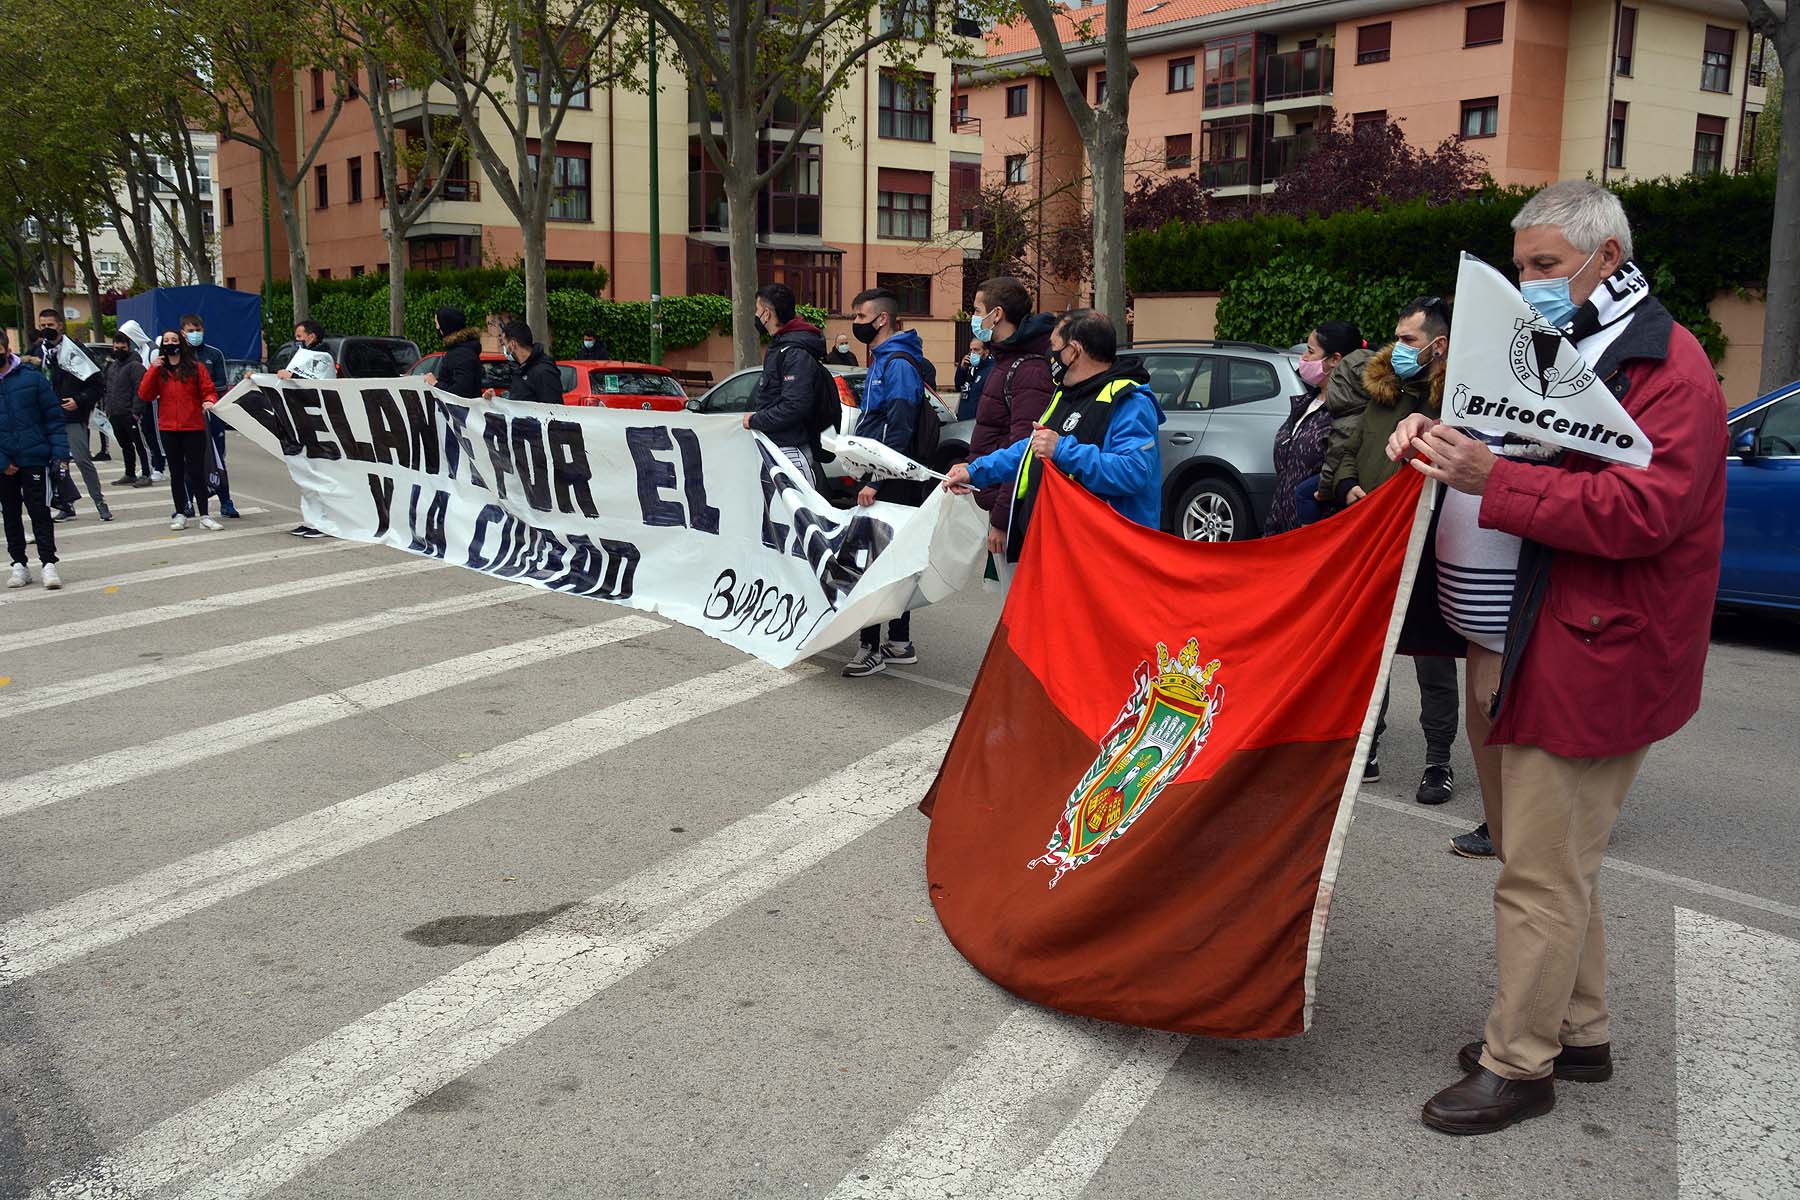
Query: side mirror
{"type": "Point", "coordinates": [1743, 446]}
{"type": "Point", "coordinates": [694, 405]}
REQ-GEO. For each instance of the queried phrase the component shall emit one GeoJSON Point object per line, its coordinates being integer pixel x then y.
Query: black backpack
{"type": "Point", "coordinates": [827, 407]}
{"type": "Point", "coordinates": [928, 425]}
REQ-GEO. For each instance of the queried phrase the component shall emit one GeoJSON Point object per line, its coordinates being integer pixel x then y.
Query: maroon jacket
{"type": "Point", "coordinates": [1613, 611]}
{"type": "Point", "coordinates": [1016, 394]}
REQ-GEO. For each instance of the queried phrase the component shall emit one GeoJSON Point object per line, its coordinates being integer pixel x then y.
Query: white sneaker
{"type": "Point", "coordinates": [177, 522]}
{"type": "Point", "coordinates": [20, 577]}
{"type": "Point", "coordinates": [157, 477]}
{"type": "Point", "coordinates": [52, 581]}
{"type": "Point", "coordinates": [207, 522]}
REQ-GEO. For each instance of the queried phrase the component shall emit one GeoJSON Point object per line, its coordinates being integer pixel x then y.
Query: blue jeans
{"type": "Point", "coordinates": [1306, 508]}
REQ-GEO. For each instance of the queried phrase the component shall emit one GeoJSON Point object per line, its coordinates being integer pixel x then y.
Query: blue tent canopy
{"type": "Point", "coordinates": [233, 319]}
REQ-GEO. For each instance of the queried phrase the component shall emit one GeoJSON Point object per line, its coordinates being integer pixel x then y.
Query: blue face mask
{"type": "Point", "coordinates": [1551, 296]}
{"type": "Point", "coordinates": [974, 358]}
{"type": "Point", "coordinates": [981, 335]}
{"type": "Point", "coordinates": [195, 337]}
{"type": "Point", "coordinates": [1406, 361]}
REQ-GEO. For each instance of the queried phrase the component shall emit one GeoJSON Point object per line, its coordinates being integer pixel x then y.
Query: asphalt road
{"type": "Point", "coordinates": [326, 873]}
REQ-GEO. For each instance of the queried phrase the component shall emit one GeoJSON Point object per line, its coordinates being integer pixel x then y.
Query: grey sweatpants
{"type": "Point", "coordinates": [83, 458]}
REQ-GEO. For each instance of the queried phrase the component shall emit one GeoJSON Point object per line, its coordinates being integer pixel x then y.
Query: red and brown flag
{"type": "Point", "coordinates": [1141, 814]}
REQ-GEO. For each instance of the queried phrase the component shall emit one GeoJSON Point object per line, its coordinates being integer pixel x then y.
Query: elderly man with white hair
{"type": "Point", "coordinates": [1607, 573]}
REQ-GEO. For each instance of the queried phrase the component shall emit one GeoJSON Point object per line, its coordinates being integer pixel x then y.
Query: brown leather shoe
{"type": "Point", "coordinates": [1483, 1102]}
{"type": "Point", "coordinates": [1576, 1064]}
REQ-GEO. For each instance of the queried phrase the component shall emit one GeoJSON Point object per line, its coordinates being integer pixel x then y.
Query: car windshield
{"type": "Point", "coordinates": [632, 383]}
{"type": "Point", "coordinates": [377, 358]}
{"type": "Point", "coordinates": [568, 377]}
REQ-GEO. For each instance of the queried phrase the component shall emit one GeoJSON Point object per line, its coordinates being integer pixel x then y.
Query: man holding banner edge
{"type": "Point", "coordinates": [1606, 640]}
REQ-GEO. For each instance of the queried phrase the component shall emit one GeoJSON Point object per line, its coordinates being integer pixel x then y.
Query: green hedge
{"type": "Point", "coordinates": [1694, 236]}
{"type": "Point", "coordinates": [1281, 302]}
{"type": "Point", "coordinates": [360, 306]}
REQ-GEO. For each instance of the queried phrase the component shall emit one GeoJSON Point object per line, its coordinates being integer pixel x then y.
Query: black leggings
{"type": "Point", "coordinates": [186, 449]}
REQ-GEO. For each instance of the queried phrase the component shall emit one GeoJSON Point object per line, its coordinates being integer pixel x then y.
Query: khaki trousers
{"type": "Point", "coordinates": [1550, 819]}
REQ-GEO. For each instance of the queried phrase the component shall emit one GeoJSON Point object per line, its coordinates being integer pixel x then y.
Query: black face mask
{"type": "Point", "coordinates": [1058, 368]}
{"type": "Point", "coordinates": [48, 335]}
{"type": "Point", "coordinates": [864, 331]}
{"type": "Point", "coordinates": [170, 350]}
{"type": "Point", "coordinates": [121, 352]}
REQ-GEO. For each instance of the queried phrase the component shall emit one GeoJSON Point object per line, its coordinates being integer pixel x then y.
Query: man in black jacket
{"type": "Point", "coordinates": [783, 409]}
{"type": "Point", "coordinates": [459, 370]}
{"type": "Point", "coordinates": [78, 396]}
{"type": "Point", "coordinates": [535, 377]}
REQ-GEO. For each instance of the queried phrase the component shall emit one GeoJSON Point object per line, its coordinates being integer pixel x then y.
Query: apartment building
{"type": "Point", "coordinates": [865, 203]}
{"type": "Point", "coordinates": [1232, 91]}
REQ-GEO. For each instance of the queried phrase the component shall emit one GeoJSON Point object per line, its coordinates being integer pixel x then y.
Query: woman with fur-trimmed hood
{"type": "Point", "coordinates": [459, 371]}
{"type": "Point", "coordinates": [1369, 394]}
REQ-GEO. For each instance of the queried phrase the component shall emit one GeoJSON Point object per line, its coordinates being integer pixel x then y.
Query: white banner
{"type": "Point", "coordinates": [1511, 371]}
{"type": "Point", "coordinates": [685, 515]}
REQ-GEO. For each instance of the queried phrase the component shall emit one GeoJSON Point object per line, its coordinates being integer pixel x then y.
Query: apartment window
{"type": "Point", "coordinates": [356, 180]}
{"type": "Point", "coordinates": [1715, 67]}
{"type": "Point", "coordinates": [913, 292]}
{"type": "Point", "coordinates": [905, 111]}
{"type": "Point", "coordinates": [321, 187]}
{"type": "Point", "coordinates": [1615, 141]}
{"type": "Point", "coordinates": [707, 210]}
{"type": "Point", "coordinates": [1481, 118]}
{"type": "Point", "coordinates": [1627, 39]}
{"type": "Point", "coordinates": [231, 283]}
{"type": "Point", "coordinates": [1015, 169]}
{"type": "Point", "coordinates": [380, 179]}
{"type": "Point", "coordinates": [959, 110]}
{"type": "Point", "coordinates": [1017, 99]}
{"type": "Point", "coordinates": [1709, 145]}
{"type": "Point", "coordinates": [791, 201]}
{"type": "Point", "coordinates": [1747, 144]}
{"type": "Point", "coordinates": [318, 90]}
{"type": "Point", "coordinates": [571, 188]}
{"type": "Point", "coordinates": [230, 209]}
{"type": "Point", "coordinates": [1178, 151]}
{"type": "Point", "coordinates": [324, 272]}
{"type": "Point", "coordinates": [912, 17]}
{"type": "Point", "coordinates": [1374, 42]}
{"type": "Point", "coordinates": [1230, 71]}
{"type": "Point", "coordinates": [903, 204]}
{"type": "Point", "coordinates": [356, 272]}
{"type": "Point", "coordinates": [1099, 88]}
{"type": "Point", "coordinates": [578, 97]}
{"type": "Point", "coordinates": [965, 195]}
{"type": "Point", "coordinates": [1484, 24]}
{"type": "Point", "coordinates": [106, 265]}
{"type": "Point", "coordinates": [1225, 151]}
{"type": "Point", "coordinates": [1181, 74]}
{"type": "Point", "coordinates": [1369, 124]}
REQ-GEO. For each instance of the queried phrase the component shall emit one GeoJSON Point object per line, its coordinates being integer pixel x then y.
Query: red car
{"type": "Point", "coordinates": [607, 384]}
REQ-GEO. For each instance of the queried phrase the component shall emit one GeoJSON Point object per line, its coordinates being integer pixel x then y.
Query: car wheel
{"type": "Point", "coordinates": [1213, 510]}
{"type": "Point", "coordinates": [949, 456]}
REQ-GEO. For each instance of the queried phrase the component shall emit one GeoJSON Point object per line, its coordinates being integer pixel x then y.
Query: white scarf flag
{"type": "Point", "coordinates": [690, 516]}
{"type": "Point", "coordinates": [1511, 371]}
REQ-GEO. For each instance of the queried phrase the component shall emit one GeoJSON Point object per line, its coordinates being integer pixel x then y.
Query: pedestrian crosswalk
{"type": "Point", "coordinates": [683, 826]}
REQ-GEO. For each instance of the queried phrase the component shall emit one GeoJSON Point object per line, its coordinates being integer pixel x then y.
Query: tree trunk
{"type": "Point", "coordinates": [1781, 321]}
{"type": "Point", "coordinates": [537, 293]}
{"type": "Point", "coordinates": [740, 204]}
{"type": "Point", "coordinates": [1109, 219]}
{"type": "Point", "coordinates": [396, 277]}
{"type": "Point", "coordinates": [287, 200]}
{"type": "Point", "coordinates": [92, 279]}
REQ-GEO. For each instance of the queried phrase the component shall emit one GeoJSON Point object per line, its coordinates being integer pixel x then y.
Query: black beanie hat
{"type": "Point", "coordinates": [451, 320]}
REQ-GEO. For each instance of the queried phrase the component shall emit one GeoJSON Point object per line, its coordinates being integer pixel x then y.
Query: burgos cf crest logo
{"type": "Point", "coordinates": [1158, 733]}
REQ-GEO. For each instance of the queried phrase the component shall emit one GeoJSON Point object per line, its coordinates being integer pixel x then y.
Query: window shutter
{"type": "Point", "coordinates": [1484, 24]}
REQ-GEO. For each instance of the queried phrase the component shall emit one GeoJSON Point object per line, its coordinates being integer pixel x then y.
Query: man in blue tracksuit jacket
{"type": "Point", "coordinates": [1100, 430]}
{"type": "Point", "coordinates": [34, 440]}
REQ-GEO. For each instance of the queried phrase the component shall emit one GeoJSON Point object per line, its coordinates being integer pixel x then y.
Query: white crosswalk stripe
{"type": "Point", "coordinates": [82, 530]}
{"type": "Point", "coordinates": [137, 618]}
{"type": "Point", "coordinates": [257, 1134]}
{"type": "Point", "coordinates": [19, 701]}
{"type": "Point", "coordinates": [105, 582]}
{"type": "Point", "coordinates": [188, 539]}
{"type": "Point", "coordinates": [57, 784]}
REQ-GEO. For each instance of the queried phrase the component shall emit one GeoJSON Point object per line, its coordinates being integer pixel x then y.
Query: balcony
{"type": "Point", "coordinates": [1283, 154]}
{"type": "Point", "coordinates": [457, 190]}
{"type": "Point", "coordinates": [1225, 173]}
{"type": "Point", "coordinates": [1298, 75]}
{"type": "Point", "coordinates": [412, 105]}
{"type": "Point", "coordinates": [963, 123]}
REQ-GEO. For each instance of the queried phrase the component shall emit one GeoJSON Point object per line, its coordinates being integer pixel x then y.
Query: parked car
{"type": "Point", "coordinates": [1761, 564]}
{"type": "Point", "coordinates": [496, 371]}
{"type": "Point", "coordinates": [1224, 401]}
{"type": "Point", "coordinates": [630, 385]}
{"type": "Point", "coordinates": [359, 357]}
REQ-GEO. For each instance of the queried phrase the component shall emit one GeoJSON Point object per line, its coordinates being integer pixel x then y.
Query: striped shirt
{"type": "Point", "coordinates": [1477, 568]}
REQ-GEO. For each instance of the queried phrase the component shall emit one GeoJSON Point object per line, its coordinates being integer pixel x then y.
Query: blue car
{"type": "Point", "coordinates": [1761, 567]}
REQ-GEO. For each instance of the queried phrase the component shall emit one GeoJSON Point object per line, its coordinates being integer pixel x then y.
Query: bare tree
{"type": "Point", "coordinates": [1104, 130]}
{"type": "Point", "coordinates": [1781, 323]}
{"type": "Point", "coordinates": [525, 63]}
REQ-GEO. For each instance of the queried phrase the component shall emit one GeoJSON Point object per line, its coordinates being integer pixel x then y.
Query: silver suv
{"type": "Point", "coordinates": [1224, 401]}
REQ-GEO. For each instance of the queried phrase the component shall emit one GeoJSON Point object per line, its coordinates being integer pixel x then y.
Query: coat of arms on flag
{"type": "Point", "coordinates": [1160, 729]}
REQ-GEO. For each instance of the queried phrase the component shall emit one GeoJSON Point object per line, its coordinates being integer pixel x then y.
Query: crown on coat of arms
{"type": "Point", "coordinates": [1182, 677]}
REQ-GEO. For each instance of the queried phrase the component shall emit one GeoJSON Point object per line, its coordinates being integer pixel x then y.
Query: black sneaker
{"type": "Point", "coordinates": [307, 531]}
{"type": "Point", "coordinates": [901, 654]}
{"type": "Point", "coordinates": [63, 514]}
{"type": "Point", "coordinates": [1474, 844]}
{"type": "Point", "coordinates": [142, 481]}
{"type": "Point", "coordinates": [1372, 770]}
{"type": "Point", "coordinates": [103, 456]}
{"type": "Point", "coordinates": [105, 512]}
{"type": "Point", "coordinates": [868, 661]}
{"type": "Point", "coordinates": [1437, 785]}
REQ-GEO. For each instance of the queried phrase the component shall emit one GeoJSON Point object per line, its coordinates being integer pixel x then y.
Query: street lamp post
{"type": "Point", "coordinates": [656, 329]}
